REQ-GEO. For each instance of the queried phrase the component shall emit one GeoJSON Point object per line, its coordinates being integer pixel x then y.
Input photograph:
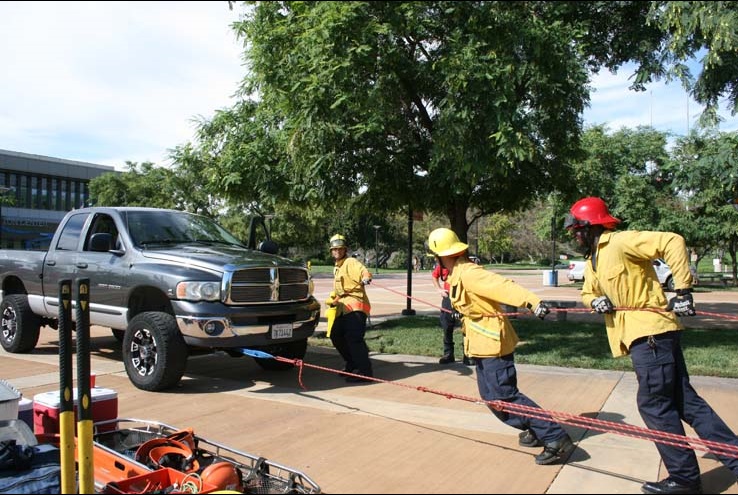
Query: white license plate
{"type": "Point", "coordinates": [282, 331]}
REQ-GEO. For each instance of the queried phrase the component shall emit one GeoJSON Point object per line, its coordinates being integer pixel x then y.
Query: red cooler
{"type": "Point", "coordinates": [46, 409]}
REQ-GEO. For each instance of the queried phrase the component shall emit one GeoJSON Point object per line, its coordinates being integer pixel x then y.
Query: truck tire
{"type": "Point", "coordinates": [20, 327]}
{"type": "Point", "coordinates": [154, 352]}
{"type": "Point", "coordinates": [292, 350]}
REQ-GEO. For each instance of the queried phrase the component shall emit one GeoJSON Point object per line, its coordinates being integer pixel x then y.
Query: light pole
{"type": "Point", "coordinates": [3, 190]}
{"type": "Point", "coordinates": [376, 245]}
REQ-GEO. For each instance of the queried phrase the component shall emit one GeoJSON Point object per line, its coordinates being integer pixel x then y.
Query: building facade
{"type": "Point", "coordinates": [35, 194]}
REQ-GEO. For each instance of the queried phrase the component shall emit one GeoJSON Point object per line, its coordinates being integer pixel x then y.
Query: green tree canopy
{"type": "Point", "coordinates": [446, 107]}
{"type": "Point", "coordinates": [141, 185]}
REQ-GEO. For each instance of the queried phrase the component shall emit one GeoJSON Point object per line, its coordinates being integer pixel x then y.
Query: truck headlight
{"type": "Point", "coordinates": [198, 291]}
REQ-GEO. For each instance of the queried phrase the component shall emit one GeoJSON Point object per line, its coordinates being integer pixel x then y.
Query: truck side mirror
{"type": "Point", "coordinates": [268, 246]}
{"type": "Point", "coordinates": [101, 242]}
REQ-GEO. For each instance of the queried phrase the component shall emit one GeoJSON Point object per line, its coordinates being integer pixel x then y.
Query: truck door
{"type": "Point", "coordinates": [103, 268]}
{"type": "Point", "coordinates": [61, 261]}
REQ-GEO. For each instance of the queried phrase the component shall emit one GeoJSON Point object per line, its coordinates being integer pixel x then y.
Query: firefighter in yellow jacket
{"type": "Point", "coordinates": [489, 338]}
{"type": "Point", "coordinates": [351, 304]}
{"type": "Point", "coordinates": [621, 284]}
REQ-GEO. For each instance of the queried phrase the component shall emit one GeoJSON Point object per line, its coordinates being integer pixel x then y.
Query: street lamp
{"type": "Point", "coordinates": [3, 190]}
{"type": "Point", "coordinates": [376, 245]}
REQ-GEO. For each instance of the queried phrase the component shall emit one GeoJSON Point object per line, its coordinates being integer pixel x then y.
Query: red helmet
{"type": "Point", "coordinates": [590, 211]}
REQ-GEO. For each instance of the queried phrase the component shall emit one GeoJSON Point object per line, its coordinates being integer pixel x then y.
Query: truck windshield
{"type": "Point", "coordinates": [162, 228]}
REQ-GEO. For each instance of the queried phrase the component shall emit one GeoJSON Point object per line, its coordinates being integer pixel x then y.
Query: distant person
{"type": "Point", "coordinates": [447, 320]}
{"type": "Point", "coordinates": [478, 295]}
{"type": "Point", "coordinates": [349, 298]}
{"type": "Point", "coordinates": [619, 274]}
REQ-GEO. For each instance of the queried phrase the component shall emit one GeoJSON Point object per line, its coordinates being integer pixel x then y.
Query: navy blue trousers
{"type": "Point", "coordinates": [497, 379]}
{"type": "Point", "coordinates": [666, 398]}
{"type": "Point", "coordinates": [347, 335]}
{"type": "Point", "coordinates": [447, 324]}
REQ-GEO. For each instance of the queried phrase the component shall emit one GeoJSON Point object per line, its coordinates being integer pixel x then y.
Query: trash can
{"type": "Point", "coordinates": [550, 278]}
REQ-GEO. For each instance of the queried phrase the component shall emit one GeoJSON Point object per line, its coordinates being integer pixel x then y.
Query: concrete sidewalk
{"type": "Point", "coordinates": [390, 436]}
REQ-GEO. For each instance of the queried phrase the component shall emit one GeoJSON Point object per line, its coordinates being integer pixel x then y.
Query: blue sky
{"type": "Point", "coordinates": [107, 82]}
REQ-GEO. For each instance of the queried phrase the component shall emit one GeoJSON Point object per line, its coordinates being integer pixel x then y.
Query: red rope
{"type": "Point", "coordinates": [572, 310]}
{"type": "Point", "coordinates": [604, 426]}
{"type": "Point", "coordinates": [682, 441]}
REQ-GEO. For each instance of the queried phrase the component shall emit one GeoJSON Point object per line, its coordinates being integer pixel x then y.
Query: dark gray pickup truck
{"type": "Point", "coordinates": [167, 283]}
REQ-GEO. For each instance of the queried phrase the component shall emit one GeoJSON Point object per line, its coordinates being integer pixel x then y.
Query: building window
{"type": "Point", "coordinates": [65, 195]}
{"type": "Point", "coordinates": [85, 194]}
{"type": "Point", "coordinates": [25, 192]}
{"type": "Point", "coordinates": [54, 195]}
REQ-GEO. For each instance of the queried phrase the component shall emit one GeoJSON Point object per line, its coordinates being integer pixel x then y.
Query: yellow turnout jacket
{"type": "Point", "coordinates": [477, 294]}
{"type": "Point", "coordinates": [625, 274]}
{"type": "Point", "coordinates": [347, 275]}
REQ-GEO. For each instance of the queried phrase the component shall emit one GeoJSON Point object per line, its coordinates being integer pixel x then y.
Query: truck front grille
{"type": "Point", "coordinates": [266, 285]}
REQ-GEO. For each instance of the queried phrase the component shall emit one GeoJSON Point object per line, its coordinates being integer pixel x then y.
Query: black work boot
{"type": "Point", "coordinates": [446, 359]}
{"type": "Point", "coordinates": [556, 451]}
{"type": "Point", "coordinates": [468, 361]}
{"type": "Point", "coordinates": [527, 438]}
{"type": "Point", "coordinates": [670, 485]}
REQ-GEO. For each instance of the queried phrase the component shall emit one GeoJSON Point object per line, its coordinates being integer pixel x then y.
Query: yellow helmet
{"type": "Point", "coordinates": [445, 242]}
{"type": "Point", "coordinates": [337, 241]}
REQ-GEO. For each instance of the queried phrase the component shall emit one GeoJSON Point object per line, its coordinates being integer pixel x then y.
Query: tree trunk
{"type": "Point", "coordinates": [457, 217]}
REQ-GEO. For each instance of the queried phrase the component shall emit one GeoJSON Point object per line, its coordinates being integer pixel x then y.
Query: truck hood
{"type": "Point", "coordinates": [217, 258]}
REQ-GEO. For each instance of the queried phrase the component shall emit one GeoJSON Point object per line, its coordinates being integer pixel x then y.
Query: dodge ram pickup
{"type": "Point", "coordinates": [167, 283]}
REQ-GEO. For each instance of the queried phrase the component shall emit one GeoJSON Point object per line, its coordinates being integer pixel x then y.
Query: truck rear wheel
{"type": "Point", "coordinates": [20, 327]}
{"type": "Point", "coordinates": [292, 350]}
{"type": "Point", "coordinates": [154, 352]}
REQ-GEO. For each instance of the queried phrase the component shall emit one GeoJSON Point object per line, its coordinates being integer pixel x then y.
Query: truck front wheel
{"type": "Point", "coordinates": [154, 353]}
{"type": "Point", "coordinates": [292, 350]}
{"type": "Point", "coordinates": [20, 327]}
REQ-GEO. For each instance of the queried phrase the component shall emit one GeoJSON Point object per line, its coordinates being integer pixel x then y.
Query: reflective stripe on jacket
{"type": "Point", "coordinates": [477, 293]}
{"type": "Point", "coordinates": [347, 276]}
{"type": "Point", "coordinates": [625, 274]}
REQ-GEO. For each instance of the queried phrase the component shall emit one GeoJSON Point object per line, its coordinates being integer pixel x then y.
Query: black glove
{"type": "Point", "coordinates": [366, 281]}
{"type": "Point", "coordinates": [603, 305]}
{"type": "Point", "coordinates": [456, 315]}
{"type": "Point", "coordinates": [541, 310]}
{"type": "Point", "coordinates": [682, 304]}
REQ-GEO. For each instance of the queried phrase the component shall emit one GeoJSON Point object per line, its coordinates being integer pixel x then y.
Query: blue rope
{"type": "Point", "coordinates": [256, 354]}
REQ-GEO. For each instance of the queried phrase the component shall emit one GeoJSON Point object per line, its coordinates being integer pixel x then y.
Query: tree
{"type": "Point", "coordinates": [662, 38]}
{"type": "Point", "coordinates": [141, 185]}
{"type": "Point", "coordinates": [699, 29]}
{"type": "Point", "coordinates": [626, 169]}
{"type": "Point", "coordinates": [706, 172]}
{"type": "Point", "coordinates": [446, 107]}
{"type": "Point", "coordinates": [495, 240]}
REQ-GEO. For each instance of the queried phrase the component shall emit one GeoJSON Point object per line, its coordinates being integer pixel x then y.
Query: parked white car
{"type": "Point", "coordinates": [576, 271]}
{"type": "Point", "coordinates": [663, 272]}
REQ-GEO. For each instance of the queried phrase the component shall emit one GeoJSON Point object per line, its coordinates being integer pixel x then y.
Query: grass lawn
{"type": "Point", "coordinates": [708, 352]}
